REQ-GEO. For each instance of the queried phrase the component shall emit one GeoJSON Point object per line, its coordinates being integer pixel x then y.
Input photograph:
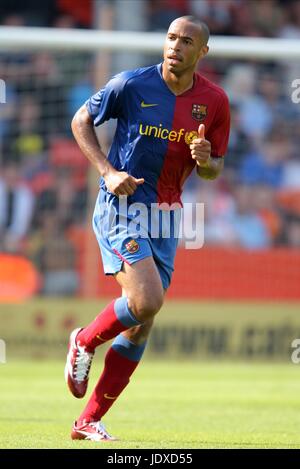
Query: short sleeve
{"type": "Point", "coordinates": [107, 102]}
{"type": "Point", "coordinates": [218, 135]}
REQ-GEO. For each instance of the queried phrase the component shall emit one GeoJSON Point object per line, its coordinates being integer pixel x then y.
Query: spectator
{"type": "Point", "coordinates": [291, 27]}
{"type": "Point", "coordinates": [217, 14]}
{"type": "Point", "coordinates": [264, 203]}
{"type": "Point", "coordinates": [265, 164]}
{"type": "Point", "coordinates": [62, 197]}
{"type": "Point", "coordinates": [161, 14]}
{"type": "Point", "coordinates": [49, 91]}
{"type": "Point", "coordinates": [250, 230]}
{"type": "Point", "coordinates": [16, 208]}
{"type": "Point", "coordinates": [267, 17]}
{"type": "Point", "coordinates": [79, 93]}
{"type": "Point", "coordinates": [239, 142]}
{"type": "Point", "coordinates": [25, 143]}
{"type": "Point", "coordinates": [56, 258]}
{"type": "Point", "coordinates": [273, 95]}
{"type": "Point", "coordinates": [292, 233]}
{"type": "Point", "coordinates": [219, 211]}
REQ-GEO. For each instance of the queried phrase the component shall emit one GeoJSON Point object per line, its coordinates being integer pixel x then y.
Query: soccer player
{"type": "Point", "coordinates": [170, 120]}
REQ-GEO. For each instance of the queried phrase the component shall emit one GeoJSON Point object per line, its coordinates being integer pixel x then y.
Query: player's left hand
{"type": "Point", "coordinates": [201, 148]}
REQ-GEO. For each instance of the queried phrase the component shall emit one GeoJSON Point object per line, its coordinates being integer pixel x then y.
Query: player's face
{"type": "Point", "coordinates": [183, 47]}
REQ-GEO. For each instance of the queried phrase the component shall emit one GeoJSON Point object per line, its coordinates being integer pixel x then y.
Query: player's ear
{"type": "Point", "coordinates": [204, 51]}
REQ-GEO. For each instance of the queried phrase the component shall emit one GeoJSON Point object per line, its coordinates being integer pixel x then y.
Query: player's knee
{"type": "Point", "coordinates": [145, 308]}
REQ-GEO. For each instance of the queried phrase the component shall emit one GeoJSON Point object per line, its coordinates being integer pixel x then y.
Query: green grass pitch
{"type": "Point", "coordinates": [167, 405]}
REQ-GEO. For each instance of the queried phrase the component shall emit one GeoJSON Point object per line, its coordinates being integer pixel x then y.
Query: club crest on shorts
{"type": "Point", "coordinates": [132, 246]}
{"type": "Point", "coordinates": [199, 112]}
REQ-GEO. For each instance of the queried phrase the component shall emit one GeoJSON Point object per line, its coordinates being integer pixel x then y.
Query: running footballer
{"type": "Point", "coordinates": [170, 119]}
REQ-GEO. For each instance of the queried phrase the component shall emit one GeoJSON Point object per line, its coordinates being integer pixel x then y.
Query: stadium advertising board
{"type": "Point", "coordinates": [184, 330]}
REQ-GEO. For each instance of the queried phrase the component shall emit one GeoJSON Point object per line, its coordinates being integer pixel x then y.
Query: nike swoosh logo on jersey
{"type": "Point", "coordinates": [109, 397]}
{"type": "Point", "coordinates": [143, 104]}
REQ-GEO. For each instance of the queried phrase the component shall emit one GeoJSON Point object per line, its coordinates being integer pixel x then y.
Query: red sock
{"type": "Point", "coordinates": [115, 318]}
{"type": "Point", "coordinates": [116, 375]}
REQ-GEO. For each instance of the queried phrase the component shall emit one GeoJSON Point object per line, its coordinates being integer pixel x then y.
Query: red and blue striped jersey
{"type": "Point", "coordinates": [155, 128]}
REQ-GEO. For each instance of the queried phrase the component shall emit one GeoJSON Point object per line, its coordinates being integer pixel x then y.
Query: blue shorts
{"type": "Point", "coordinates": [129, 233]}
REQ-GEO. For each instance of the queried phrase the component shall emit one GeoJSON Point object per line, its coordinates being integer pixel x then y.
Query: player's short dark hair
{"type": "Point", "coordinates": [204, 28]}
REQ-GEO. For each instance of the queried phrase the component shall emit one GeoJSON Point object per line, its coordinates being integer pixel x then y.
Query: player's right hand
{"type": "Point", "coordinates": [121, 183]}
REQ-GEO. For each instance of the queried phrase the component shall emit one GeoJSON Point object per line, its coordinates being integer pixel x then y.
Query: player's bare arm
{"type": "Point", "coordinates": [207, 166]}
{"type": "Point", "coordinates": [212, 170]}
{"type": "Point", "coordinates": [117, 182]}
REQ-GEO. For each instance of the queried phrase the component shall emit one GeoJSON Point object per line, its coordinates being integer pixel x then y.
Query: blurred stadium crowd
{"type": "Point", "coordinates": [43, 176]}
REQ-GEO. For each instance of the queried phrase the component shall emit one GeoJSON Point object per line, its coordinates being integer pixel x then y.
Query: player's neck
{"type": "Point", "coordinates": [178, 84]}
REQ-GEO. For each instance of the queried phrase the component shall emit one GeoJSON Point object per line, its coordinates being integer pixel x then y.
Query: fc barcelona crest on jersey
{"type": "Point", "coordinates": [199, 112]}
{"type": "Point", "coordinates": [132, 246]}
